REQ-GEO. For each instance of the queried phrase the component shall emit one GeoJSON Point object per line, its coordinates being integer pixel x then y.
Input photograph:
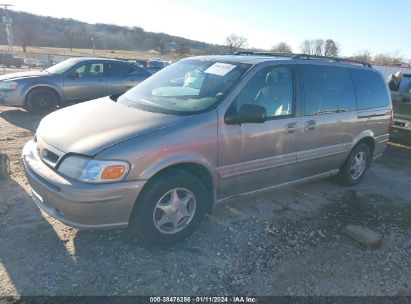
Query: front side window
{"type": "Point", "coordinates": [90, 70]}
{"type": "Point", "coordinates": [271, 88]}
{"type": "Point", "coordinates": [327, 89]}
{"type": "Point", "coordinates": [185, 86]}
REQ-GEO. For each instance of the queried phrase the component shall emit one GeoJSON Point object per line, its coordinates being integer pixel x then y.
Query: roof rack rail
{"type": "Point", "coordinates": [288, 55]}
{"type": "Point", "coordinates": [305, 56]}
{"type": "Point", "coordinates": [336, 59]}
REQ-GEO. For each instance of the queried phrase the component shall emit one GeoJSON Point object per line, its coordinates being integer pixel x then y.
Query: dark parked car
{"type": "Point", "coordinates": [70, 81]}
{"type": "Point", "coordinates": [142, 63]}
{"type": "Point", "coordinates": [9, 60]}
{"type": "Point", "coordinates": [400, 86]}
{"type": "Point", "coordinates": [155, 65]}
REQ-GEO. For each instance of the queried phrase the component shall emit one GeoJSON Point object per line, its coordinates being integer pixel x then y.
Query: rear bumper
{"type": "Point", "coordinates": [80, 205]}
{"type": "Point", "coordinates": [401, 124]}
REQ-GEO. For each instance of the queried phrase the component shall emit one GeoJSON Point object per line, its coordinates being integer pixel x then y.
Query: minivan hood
{"type": "Point", "coordinates": [92, 126]}
{"type": "Point", "coordinates": [21, 75]}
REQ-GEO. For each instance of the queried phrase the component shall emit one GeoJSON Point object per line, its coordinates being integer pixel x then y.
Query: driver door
{"type": "Point", "coordinates": [85, 82]}
{"type": "Point", "coordinates": [255, 156]}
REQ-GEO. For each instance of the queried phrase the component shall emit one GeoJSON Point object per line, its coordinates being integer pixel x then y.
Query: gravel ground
{"type": "Point", "coordinates": [286, 242]}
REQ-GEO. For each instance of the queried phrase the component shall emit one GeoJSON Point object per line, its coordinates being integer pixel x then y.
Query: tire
{"type": "Point", "coordinates": [40, 101]}
{"type": "Point", "coordinates": [147, 219]}
{"type": "Point", "coordinates": [4, 166]}
{"type": "Point", "coordinates": [360, 156]}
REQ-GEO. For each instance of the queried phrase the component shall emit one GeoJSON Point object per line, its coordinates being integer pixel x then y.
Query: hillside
{"type": "Point", "coordinates": [40, 31]}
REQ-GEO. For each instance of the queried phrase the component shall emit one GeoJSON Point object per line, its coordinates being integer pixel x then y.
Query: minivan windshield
{"type": "Point", "coordinates": [189, 85]}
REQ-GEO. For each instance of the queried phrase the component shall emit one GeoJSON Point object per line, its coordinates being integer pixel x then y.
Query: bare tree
{"type": "Point", "coordinates": [69, 36]}
{"type": "Point", "coordinates": [387, 59]}
{"type": "Point", "coordinates": [307, 47]}
{"type": "Point", "coordinates": [318, 46]}
{"type": "Point", "coordinates": [25, 35]}
{"type": "Point", "coordinates": [235, 42]}
{"type": "Point", "coordinates": [363, 55]}
{"type": "Point", "coordinates": [160, 45]}
{"type": "Point", "coordinates": [282, 47]}
{"type": "Point", "coordinates": [182, 49]}
{"type": "Point", "coordinates": [331, 48]}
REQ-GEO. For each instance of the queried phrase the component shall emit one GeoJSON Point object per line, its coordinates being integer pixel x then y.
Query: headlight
{"type": "Point", "coordinates": [93, 171]}
{"type": "Point", "coordinates": [8, 85]}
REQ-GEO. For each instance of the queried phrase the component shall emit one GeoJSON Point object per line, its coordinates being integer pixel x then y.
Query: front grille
{"type": "Point", "coordinates": [48, 154]}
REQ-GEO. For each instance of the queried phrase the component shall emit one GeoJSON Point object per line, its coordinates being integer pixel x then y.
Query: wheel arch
{"type": "Point", "coordinates": [47, 87]}
{"type": "Point", "coordinates": [197, 169]}
{"type": "Point", "coordinates": [366, 137]}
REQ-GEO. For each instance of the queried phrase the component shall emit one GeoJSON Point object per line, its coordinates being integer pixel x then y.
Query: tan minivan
{"type": "Point", "coordinates": [205, 130]}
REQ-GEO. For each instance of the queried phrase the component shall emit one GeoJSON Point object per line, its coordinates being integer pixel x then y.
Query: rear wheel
{"type": "Point", "coordinates": [356, 165]}
{"type": "Point", "coordinates": [41, 101]}
{"type": "Point", "coordinates": [170, 208]}
{"type": "Point", "coordinates": [4, 166]}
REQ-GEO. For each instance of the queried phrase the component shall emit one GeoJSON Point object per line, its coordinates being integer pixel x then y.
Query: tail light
{"type": "Point", "coordinates": [390, 122]}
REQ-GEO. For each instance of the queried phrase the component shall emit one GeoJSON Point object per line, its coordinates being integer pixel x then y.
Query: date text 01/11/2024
{"type": "Point", "coordinates": [203, 299]}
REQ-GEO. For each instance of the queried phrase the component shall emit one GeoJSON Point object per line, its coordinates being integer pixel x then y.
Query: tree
{"type": "Point", "coordinates": [160, 44]}
{"type": "Point", "coordinates": [307, 47]}
{"type": "Point", "coordinates": [235, 42]}
{"type": "Point", "coordinates": [182, 49]}
{"type": "Point", "coordinates": [282, 47]}
{"type": "Point", "coordinates": [331, 48]}
{"type": "Point", "coordinates": [69, 36]}
{"type": "Point", "coordinates": [25, 35]}
{"type": "Point", "coordinates": [318, 46]}
{"type": "Point", "coordinates": [363, 55]}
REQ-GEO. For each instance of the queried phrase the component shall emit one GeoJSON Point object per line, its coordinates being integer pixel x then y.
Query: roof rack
{"type": "Point", "coordinates": [305, 56]}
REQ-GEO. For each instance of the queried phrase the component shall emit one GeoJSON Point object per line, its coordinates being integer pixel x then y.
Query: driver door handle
{"type": "Point", "coordinates": [291, 127]}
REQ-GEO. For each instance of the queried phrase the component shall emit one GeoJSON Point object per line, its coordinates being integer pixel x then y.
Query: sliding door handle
{"type": "Point", "coordinates": [310, 125]}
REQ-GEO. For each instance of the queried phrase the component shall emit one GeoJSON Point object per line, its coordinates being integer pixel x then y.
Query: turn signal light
{"type": "Point", "coordinates": [113, 172]}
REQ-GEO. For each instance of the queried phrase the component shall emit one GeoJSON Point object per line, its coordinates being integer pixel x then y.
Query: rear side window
{"type": "Point", "coordinates": [327, 89]}
{"type": "Point", "coordinates": [118, 69]}
{"type": "Point", "coordinates": [370, 89]}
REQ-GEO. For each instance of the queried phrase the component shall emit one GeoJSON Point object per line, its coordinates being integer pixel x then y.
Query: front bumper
{"type": "Point", "coordinates": [80, 205]}
{"type": "Point", "coordinates": [11, 98]}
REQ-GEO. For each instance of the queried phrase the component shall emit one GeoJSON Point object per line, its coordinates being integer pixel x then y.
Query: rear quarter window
{"type": "Point", "coordinates": [370, 89]}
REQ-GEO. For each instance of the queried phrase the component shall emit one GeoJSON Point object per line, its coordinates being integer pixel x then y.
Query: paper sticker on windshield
{"type": "Point", "coordinates": [220, 68]}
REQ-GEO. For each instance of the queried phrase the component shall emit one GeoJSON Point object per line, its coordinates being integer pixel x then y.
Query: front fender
{"type": "Point", "coordinates": [27, 88]}
{"type": "Point", "coordinates": [179, 159]}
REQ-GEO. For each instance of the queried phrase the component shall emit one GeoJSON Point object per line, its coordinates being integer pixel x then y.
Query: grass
{"type": "Point", "coordinates": [119, 54]}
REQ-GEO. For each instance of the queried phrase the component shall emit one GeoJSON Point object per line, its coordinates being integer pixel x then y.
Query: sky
{"type": "Point", "coordinates": [380, 26]}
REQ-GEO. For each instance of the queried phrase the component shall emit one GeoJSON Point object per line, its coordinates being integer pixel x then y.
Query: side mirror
{"type": "Point", "coordinates": [248, 113]}
{"type": "Point", "coordinates": [74, 75]}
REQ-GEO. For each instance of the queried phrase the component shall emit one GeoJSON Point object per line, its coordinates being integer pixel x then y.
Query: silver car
{"type": "Point", "coordinates": [202, 131]}
{"type": "Point", "coordinates": [70, 81]}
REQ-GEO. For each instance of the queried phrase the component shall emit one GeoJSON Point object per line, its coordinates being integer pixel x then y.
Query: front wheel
{"type": "Point", "coordinates": [170, 208]}
{"type": "Point", "coordinates": [356, 165]}
{"type": "Point", "coordinates": [40, 101]}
